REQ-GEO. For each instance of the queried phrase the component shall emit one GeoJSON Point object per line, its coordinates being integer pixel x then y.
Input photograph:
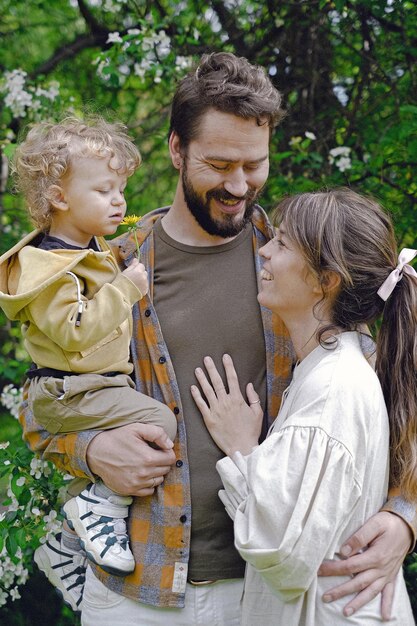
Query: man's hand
{"type": "Point", "coordinates": [125, 461]}
{"type": "Point", "coordinates": [385, 539]}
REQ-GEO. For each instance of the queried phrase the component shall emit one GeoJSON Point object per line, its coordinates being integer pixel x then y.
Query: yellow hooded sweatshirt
{"type": "Point", "coordinates": [75, 306]}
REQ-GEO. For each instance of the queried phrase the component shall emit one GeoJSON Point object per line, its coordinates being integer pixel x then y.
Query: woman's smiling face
{"type": "Point", "coordinates": [288, 286]}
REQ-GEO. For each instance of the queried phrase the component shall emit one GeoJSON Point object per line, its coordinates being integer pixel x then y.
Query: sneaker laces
{"type": "Point", "coordinates": [78, 562]}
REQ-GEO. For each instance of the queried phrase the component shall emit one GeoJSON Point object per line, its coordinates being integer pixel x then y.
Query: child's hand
{"type": "Point", "coordinates": [137, 273]}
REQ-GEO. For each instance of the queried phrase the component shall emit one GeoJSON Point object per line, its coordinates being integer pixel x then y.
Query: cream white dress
{"type": "Point", "coordinates": [320, 474]}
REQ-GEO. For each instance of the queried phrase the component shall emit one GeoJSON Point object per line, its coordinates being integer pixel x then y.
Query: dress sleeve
{"type": "Point", "coordinates": [401, 507]}
{"type": "Point", "coordinates": [290, 500]}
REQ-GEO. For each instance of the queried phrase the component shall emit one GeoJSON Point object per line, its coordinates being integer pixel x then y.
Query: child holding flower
{"type": "Point", "coordinates": [62, 282]}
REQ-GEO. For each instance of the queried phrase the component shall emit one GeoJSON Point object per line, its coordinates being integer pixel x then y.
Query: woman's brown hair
{"type": "Point", "coordinates": [350, 234]}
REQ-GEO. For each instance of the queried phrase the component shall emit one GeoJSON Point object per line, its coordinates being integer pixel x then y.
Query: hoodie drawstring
{"type": "Point", "coordinates": [79, 300]}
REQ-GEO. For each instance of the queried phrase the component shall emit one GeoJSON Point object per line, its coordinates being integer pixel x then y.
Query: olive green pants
{"type": "Point", "coordinates": [94, 402]}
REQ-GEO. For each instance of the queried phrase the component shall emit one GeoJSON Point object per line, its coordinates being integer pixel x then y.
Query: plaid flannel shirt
{"type": "Point", "coordinates": [159, 525]}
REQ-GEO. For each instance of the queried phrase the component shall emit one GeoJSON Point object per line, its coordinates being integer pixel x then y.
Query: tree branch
{"type": "Point", "coordinates": [69, 51]}
{"type": "Point", "coordinates": [228, 22]}
{"type": "Point", "coordinates": [93, 25]}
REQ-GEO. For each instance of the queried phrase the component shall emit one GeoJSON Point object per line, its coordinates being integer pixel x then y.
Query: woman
{"type": "Point", "coordinates": [323, 469]}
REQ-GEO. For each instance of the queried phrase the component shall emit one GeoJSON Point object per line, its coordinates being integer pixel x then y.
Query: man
{"type": "Point", "coordinates": [201, 257]}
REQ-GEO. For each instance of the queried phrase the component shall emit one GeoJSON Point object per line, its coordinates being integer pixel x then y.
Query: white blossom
{"type": "Point", "coordinates": [213, 20]}
{"type": "Point", "coordinates": [183, 63]}
{"type": "Point", "coordinates": [310, 135]}
{"type": "Point", "coordinates": [39, 467]}
{"type": "Point", "coordinates": [18, 99]}
{"type": "Point", "coordinates": [114, 37]}
{"type": "Point", "coordinates": [51, 524]}
{"type": "Point", "coordinates": [344, 163]}
{"type": "Point", "coordinates": [339, 151]}
{"type": "Point", "coordinates": [11, 398]}
{"type": "Point", "coordinates": [3, 597]}
{"type": "Point", "coordinates": [139, 70]}
{"type": "Point", "coordinates": [340, 157]}
{"type": "Point", "coordinates": [51, 93]}
{"type": "Point", "coordinates": [14, 594]}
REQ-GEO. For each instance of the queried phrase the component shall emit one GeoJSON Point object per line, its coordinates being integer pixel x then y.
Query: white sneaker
{"type": "Point", "coordinates": [64, 568]}
{"type": "Point", "coordinates": [99, 523]}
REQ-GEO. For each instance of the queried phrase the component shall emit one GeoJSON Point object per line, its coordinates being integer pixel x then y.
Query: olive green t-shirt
{"type": "Point", "coordinates": [205, 299]}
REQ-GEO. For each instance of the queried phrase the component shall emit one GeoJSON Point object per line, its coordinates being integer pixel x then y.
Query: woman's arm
{"type": "Point", "coordinates": [290, 497]}
{"type": "Point", "coordinates": [296, 492]}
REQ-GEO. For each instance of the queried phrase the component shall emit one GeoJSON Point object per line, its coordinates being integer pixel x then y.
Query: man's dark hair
{"type": "Point", "coordinates": [226, 83]}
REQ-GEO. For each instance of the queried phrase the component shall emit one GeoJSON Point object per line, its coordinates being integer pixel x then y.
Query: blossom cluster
{"type": "Point", "coordinates": [28, 518]}
{"type": "Point", "coordinates": [11, 398]}
{"type": "Point", "coordinates": [20, 97]}
{"type": "Point", "coordinates": [11, 575]}
{"type": "Point", "coordinates": [141, 52]}
{"type": "Point", "coordinates": [340, 156]}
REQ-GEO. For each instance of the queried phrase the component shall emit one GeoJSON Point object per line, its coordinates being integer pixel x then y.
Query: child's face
{"type": "Point", "coordinates": [93, 200]}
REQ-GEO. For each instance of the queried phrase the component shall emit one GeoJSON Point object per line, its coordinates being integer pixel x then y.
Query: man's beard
{"type": "Point", "coordinates": [230, 225]}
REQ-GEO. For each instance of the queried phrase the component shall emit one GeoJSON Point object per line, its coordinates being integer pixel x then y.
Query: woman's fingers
{"type": "Point", "coordinates": [216, 379]}
{"type": "Point", "coordinates": [206, 386]}
{"type": "Point", "coordinates": [231, 376]}
{"type": "Point", "coordinates": [200, 402]}
{"type": "Point", "coordinates": [252, 396]}
{"type": "Point", "coordinates": [254, 400]}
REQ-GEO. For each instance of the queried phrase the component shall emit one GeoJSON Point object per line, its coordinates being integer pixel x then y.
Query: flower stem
{"type": "Point", "coordinates": [137, 244]}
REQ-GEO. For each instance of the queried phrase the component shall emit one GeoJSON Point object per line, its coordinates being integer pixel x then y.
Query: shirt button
{"type": "Point", "coordinates": [183, 519]}
{"type": "Point", "coordinates": [179, 463]}
{"type": "Point", "coordinates": [162, 359]}
{"type": "Point", "coordinates": [176, 410]}
{"type": "Point", "coordinates": [147, 312]}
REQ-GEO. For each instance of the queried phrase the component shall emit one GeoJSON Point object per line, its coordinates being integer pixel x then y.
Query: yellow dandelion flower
{"type": "Point", "coordinates": [131, 222]}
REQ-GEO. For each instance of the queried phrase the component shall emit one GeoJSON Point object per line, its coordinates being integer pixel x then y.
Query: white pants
{"type": "Point", "coordinates": [217, 604]}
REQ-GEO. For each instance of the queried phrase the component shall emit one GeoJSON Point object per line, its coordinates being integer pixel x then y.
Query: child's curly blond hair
{"type": "Point", "coordinates": [45, 156]}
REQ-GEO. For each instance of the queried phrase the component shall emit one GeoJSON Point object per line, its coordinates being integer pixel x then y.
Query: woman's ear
{"type": "Point", "coordinates": [56, 197]}
{"type": "Point", "coordinates": [330, 282]}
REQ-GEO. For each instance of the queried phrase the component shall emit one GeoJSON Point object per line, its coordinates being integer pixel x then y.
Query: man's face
{"type": "Point", "coordinates": [223, 171]}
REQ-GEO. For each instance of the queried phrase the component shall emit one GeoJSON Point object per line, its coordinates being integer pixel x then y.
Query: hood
{"type": "Point", "coordinates": [25, 271]}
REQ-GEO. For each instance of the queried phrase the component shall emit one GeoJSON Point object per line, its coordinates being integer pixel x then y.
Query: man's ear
{"type": "Point", "coordinates": [175, 150]}
{"type": "Point", "coordinates": [56, 197]}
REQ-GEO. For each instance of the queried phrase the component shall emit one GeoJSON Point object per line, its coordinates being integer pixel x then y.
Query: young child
{"type": "Point", "coordinates": [63, 284]}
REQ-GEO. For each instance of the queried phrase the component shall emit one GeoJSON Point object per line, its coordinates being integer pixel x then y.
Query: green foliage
{"type": "Point", "coordinates": [346, 70]}
{"type": "Point", "coordinates": [32, 489]}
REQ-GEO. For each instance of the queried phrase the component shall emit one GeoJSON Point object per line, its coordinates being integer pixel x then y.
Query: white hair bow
{"type": "Point", "coordinates": [387, 287]}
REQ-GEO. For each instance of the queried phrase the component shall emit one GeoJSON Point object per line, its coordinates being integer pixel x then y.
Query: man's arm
{"type": "Point", "coordinates": [374, 554]}
{"type": "Point", "coordinates": [125, 461]}
{"type": "Point", "coordinates": [121, 457]}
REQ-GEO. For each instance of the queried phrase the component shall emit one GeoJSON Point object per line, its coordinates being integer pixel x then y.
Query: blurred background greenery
{"type": "Point", "coordinates": [348, 74]}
